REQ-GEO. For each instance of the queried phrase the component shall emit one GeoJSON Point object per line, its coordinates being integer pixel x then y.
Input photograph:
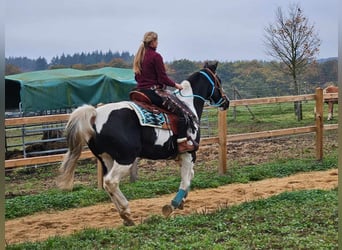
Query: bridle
{"type": "Point", "coordinates": [215, 85]}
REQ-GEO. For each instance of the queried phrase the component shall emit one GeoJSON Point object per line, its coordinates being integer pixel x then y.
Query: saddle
{"type": "Point", "coordinates": [173, 111]}
{"type": "Point", "coordinates": [152, 115]}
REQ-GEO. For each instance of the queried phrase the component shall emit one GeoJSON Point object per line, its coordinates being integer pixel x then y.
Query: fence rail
{"type": "Point", "coordinates": [221, 139]}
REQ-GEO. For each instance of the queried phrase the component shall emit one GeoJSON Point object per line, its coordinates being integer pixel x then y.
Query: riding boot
{"type": "Point", "coordinates": [184, 146]}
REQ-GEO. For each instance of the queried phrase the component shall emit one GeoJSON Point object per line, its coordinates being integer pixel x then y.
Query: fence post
{"type": "Point", "coordinates": [222, 136]}
{"type": "Point", "coordinates": [319, 124]}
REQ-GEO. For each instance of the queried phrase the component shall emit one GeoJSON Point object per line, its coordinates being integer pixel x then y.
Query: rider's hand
{"type": "Point", "coordinates": [178, 86]}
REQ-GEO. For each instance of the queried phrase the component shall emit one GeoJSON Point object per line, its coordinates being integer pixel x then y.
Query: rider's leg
{"type": "Point", "coordinates": [184, 145]}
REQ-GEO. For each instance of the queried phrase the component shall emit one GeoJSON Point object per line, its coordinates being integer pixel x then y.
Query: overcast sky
{"type": "Point", "coordinates": [223, 30]}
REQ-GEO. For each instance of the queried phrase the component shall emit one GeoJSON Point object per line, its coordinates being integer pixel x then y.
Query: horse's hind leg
{"type": "Point", "coordinates": [111, 185]}
{"type": "Point", "coordinates": [187, 173]}
{"type": "Point", "coordinates": [134, 171]}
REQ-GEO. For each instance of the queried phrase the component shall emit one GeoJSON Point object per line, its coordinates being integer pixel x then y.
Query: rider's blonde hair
{"type": "Point", "coordinates": [139, 56]}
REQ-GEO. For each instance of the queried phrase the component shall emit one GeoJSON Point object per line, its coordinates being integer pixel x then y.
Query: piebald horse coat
{"type": "Point", "coordinates": [114, 135]}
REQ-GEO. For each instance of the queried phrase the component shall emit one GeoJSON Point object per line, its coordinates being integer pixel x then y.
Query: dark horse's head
{"type": "Point", "coordinates": [214, 93]}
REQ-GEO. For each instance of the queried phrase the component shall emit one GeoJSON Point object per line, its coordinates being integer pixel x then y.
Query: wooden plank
{"type": "Point", "coordinates": [267, 134]}
{"type": "Point", "coordinates": [268, 100]}
{"type": "Point", "coordinates": [42, 159]}
{"type": "Point", "coordinates": [33, 160]}
{"type": "Point", "coordinates": [209, 141]}
{"type": "Point", "coordinates": [330, 96]}
{"type": "Point", "coordinates": [271, 133]}
{"type": "Point", "coordinates": [330, 127]}
{"type": "Point", "coordinates": [36, 120]}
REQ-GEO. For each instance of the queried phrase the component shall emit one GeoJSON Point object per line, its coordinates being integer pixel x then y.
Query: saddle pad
{"type": "Point", "coordinates": [148, 118]}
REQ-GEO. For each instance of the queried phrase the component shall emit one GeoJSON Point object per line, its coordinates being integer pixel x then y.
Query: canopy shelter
{"type": "Point", "coordinates": [67, 88]}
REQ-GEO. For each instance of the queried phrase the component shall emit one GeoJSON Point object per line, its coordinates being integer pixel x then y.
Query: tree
{"type": "Point", "coordinates": [181, 69]}
{"type": "Point", "coordinates": [119, 63]}
{"type": "Point", "coordinates": [41, 64]}
{"type": "Point", "coordinates": [11, 69]}
{"type": "Point", "coordinates": [293, 41]}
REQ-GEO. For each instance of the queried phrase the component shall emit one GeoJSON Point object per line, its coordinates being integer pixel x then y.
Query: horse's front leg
{"type": "Point", "coordinates": [187, 173]}
{"type": "Point", "coordinates": [111, 185]}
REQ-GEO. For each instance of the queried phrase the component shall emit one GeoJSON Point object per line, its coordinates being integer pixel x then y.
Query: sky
{"type": "Point", "coordinates": [223, 30]}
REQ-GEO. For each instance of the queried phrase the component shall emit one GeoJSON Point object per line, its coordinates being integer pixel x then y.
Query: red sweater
{"type": "Point", "coordinates": [153, 71]}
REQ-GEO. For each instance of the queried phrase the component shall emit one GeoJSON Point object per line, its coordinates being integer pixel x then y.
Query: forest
{"type": "Point", "coordinates": [247, 79]}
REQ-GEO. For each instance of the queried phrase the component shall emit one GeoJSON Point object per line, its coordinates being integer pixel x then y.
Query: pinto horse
{"type": "Point", "coordinates": [331, 101]}
{"type": "Point", "coordinates": [115, 136]}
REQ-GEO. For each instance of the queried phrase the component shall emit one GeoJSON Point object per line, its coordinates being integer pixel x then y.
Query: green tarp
{"type": "Point", "coordinates": [67, 88]}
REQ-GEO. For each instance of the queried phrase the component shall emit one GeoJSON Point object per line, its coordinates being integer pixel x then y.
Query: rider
{"type": "Point", "coordinates": [150, 75]}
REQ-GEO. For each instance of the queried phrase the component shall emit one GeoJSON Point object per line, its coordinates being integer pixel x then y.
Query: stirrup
{"type": "Point", "coordinates": [184, 146]}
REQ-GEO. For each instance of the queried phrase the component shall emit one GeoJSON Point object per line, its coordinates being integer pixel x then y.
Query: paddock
{"type": "Point", "coordinates": [47, 224]}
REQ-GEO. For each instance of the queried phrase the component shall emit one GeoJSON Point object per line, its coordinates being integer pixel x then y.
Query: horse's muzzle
{"type": "Point", "coordinates": [225, 104]}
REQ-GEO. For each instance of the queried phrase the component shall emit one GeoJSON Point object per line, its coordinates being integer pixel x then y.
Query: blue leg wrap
{"type": "Point", "coordinates": [179, 197]}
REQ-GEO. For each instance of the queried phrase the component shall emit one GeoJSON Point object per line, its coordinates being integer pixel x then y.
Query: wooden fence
{"type": "Point", "coordinates": [222, 139]}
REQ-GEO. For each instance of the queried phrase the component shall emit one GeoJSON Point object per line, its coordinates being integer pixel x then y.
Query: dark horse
{"type": "Point", "coordinates": [114, 134]}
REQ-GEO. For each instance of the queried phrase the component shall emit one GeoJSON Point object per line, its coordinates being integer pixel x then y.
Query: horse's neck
{"type": "Point", "coordinates": [199, 104]}
{"type": "Point", "coordinates": [187, 97]}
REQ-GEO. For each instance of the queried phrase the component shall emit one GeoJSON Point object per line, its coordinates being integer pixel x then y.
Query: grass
{"type": "Point", "coordinates": [84, 195]}
{"type": "Point", "coordinates": [264, 117]}
{"type": "Point", "coordinates": [291, 220]}
{"type": "Point", "coordinates": [269, 117]}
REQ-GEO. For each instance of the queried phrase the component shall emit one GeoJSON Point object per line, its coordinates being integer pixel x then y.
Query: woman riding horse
{"type": "Point", "coordinates": [114, 134]}
{"type": "Point", "coordinates": [151, 77]}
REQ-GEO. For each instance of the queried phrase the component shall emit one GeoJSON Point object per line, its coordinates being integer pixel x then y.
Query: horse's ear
{"type": "Point", "coordinates": [212, 66]}
{"type": "Point", "coordinates": [215, 66]}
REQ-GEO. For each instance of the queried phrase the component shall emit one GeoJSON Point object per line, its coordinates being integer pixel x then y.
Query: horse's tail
{"type": "Point", "coordinates": [79, 130]}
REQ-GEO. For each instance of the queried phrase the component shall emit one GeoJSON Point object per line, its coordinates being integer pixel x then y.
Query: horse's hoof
{"type": "Point", "coordinates": [127, 220]}
{"type": "Point", "coordinates": [181, 205]}
{"type": "Point", "coordinates": [128, 223]}
{"type": "Point", "coordinates": [167, 210]}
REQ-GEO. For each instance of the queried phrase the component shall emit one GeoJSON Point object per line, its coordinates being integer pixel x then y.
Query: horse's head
{"type": "Point", "coordinates": [215, 93]}
{"type": "Point", "coordinates": [204, 85]}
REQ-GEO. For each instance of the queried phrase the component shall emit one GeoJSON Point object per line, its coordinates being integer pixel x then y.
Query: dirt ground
{"type": "Point", "coordinates": [40, 226]}
{"type": "Point", "coordinates": [43, 225]}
